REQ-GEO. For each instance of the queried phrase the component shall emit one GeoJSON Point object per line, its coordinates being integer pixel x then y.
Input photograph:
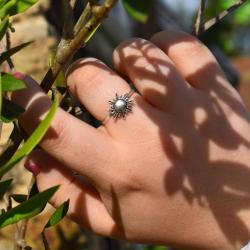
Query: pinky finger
{"type": "Point", "coordinates": [86, 207]}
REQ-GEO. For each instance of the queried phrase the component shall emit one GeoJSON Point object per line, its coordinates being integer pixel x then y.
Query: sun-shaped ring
{"type": "Point", "coordinates": [121, 105]}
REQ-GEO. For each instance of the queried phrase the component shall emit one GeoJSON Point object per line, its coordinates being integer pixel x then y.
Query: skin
{"type": "Point", "coordinates": [175, 171]}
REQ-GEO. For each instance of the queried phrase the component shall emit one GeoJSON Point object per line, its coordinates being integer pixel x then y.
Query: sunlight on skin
{"type": "Point", "coordinates": [200, 116]}
{"type": "Point", "coordinates": [162, 174]}
{"type": "Point", "coordinates": [33, 100]}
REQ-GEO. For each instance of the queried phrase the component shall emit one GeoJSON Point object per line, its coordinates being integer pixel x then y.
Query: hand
{"type": "Point", "coordinates": [175, 171]}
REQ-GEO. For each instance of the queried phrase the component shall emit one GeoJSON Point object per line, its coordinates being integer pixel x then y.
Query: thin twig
{"type": "Point", "coordinates": [199, 24]}
{"type": "Point", "coordinates": [8, 46]}
{"type": "Point", "coordinates": [83, 18]}
{"type": "Point", "coordinates": [68, 15]}
{"type": "Point", "coordinates": [45, 241]}
{"type": "Point", "coordinates": [67, 49]}
{"type": "Point", "coordinates": [21, 233]}
{"type": "Point", "coordinates": [223, 14]}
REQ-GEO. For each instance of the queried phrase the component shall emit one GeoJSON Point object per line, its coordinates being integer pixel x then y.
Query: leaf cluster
{"type": "Point", "coordinates": [31, 205]}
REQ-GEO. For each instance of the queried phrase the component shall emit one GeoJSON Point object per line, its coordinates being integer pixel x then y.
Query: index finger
{"type": "Point", "coordinates": [70, 140]}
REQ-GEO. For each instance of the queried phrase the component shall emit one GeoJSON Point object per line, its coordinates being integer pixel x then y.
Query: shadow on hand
{"type": "Point", "coordinates": [220, 185]}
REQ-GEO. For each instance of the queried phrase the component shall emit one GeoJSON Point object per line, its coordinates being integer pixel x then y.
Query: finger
{"type": "Point", "coordinates": [193, 59]}
{"type": "Point", "coordinates": [95, 84]}
{"type": "Point", "coordinates": [85, 206]}
{"type": "Point", "coordinates": [152, 72]}
{"type": "Point", "coordinates": [71, 141]}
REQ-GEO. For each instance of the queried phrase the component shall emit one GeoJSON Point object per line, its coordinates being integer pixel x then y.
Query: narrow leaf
{"type": "Point", "coordinates": [92, 33]}
{"type": "Point", "coordinates": [19, 198]}
{"type": "Point", "coordinates": [10, 111]}
{"type": "Point", "coordinates": [23, 5]}
{"type": "Point", "coordinates": [11, 83]}
{"type": "Point", "coordinates": [27, 209]}
{"type": "Point", "coordinates": [13, 7]}
{"type": "Point", "coordinates": [7, 8]}
{"type": "Point", "coordinates": [34, 190]}
{"type": "Point", "coordinates": [58, 215]}
{"type": "Point", "coordinates": [60, 81]}
{"type": "Point", "coordinates": [32, 141]}
{"type": "Point", "coordinates": [4, 186]}
{"type": "Point", "coordinates": [139, 9]}
{"type": "Point", "coordinates": [7, 54]}
{"type": "Point", "coordinates": [4, 27]}
{"type": "Point", "coordinates": [3, 2]}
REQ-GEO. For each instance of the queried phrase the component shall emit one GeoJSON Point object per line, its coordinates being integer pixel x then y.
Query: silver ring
{"type": "Point", "coordinates": [121, 105]}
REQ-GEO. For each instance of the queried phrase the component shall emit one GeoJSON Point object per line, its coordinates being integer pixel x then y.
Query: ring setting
{"type": "Point", "coordinates": [121, 106]}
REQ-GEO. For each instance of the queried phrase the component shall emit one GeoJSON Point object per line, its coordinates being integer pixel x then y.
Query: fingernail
{"type": "Point", "coordinates": [32, 167]}
{"type": "Point", "coordinates": [19, 75]}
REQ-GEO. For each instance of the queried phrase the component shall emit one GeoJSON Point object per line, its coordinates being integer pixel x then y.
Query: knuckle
{"type": "Point", "coordinates": [179, 42]}
{"type": "Point", "coordinates": [128, 182]}
{"type": "Point", "coordinates": [84, 72]}
{"type": "Point", "coordinates": [194, 49]}
{"type": "Point", "coordinates": [131, 46]}
{"type": "Point", "coordinates": [131, 50]}
{"type": "Point", "coordinates": [130, 42]}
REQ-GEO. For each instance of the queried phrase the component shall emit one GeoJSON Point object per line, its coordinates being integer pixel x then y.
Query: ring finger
{"type": "Point", "coordinates": [95, 84]}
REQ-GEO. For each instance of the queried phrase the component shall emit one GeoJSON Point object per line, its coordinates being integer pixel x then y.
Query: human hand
{"type": "Point", "coordinates": [175, 171]}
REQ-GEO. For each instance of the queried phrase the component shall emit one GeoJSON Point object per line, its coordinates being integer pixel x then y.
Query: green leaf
{"type": "Point", "coordinates": [60, 81]}
{"type": "Point", "coordinates": [7, 54]}
{"type": "Point", "coordinates": [27, 209]}
{"type": "Point", "coordinates": [58, 215]}
{"type": "Point", "coordinates": [92, 33]}
{"type": "Point", "coordinates": [4, 186]}
{"type": "Point", "coordinates": [32, 141]}
{"type": "Point", "coordinates": [11, 83]}
{"type": "Point", "coordinates": [13, 7]}
{"type": "Point", "coordinates": [7, 8]}
{"type": "Point", "coordinates": [10, 111]}
{"type": "Point", "coordinates": [34, 190]}
{"type": "Point", "coordinates": [242, 16]}
{"type": "Point", "coordinates": [3, 2]}
{"type": "Point", "coordinates": [23, 5]}
{"type": "Point", "coordinates": [19, 198]}
{"type": "Point", "coordinates": [138, 9]}
{"type": "Point", "coordinates": [4, 27]}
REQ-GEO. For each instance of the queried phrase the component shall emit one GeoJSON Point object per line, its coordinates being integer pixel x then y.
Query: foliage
{"type": "Point", "coordinates": [32, 141]}
{"type": "Point", "coordinates": [58, 215]}
{"type": "Point", "coordinates": [28, 208]}
{"type": "Point", "coordinates": [223, 34]}
{"type": "Point", "coordinates": [4, 186]}
{"type": "Point", "coordinates": [13, 7]}
{"type": "Point", "coordinates": [240, 17]}
{"type": "Point", "coordinates": [9, 111]}
{"type": "Point", "coordinates": [31, 204]}
{"type": "Point", "coordinates": [139, 10]}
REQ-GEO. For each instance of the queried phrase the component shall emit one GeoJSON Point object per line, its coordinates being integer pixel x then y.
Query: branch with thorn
{"type": "Point", "coordinates": [199, 24]}
{"type": "Point", "coordinates": [210, 23]}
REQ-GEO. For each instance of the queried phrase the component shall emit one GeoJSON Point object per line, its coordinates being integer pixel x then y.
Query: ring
{"type": "Point", "coordinates": [121, 105]}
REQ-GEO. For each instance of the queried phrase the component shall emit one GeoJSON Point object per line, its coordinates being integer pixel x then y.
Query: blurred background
{"type": "Point", "coordinates": [229, 41]}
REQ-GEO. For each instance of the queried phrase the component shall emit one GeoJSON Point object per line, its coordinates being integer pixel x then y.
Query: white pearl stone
{"type": "Point", "coordinates": [120, 105]}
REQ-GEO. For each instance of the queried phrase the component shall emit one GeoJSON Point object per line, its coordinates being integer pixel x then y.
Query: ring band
{"type": "Point", "coordinates": [120, 106]}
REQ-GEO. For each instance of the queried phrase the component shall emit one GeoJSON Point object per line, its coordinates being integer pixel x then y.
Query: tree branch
{"type": "Point", "coordinates": [67, 48]}
{"type": "Point", "coordinates": [199, 24]}
{"type": "Point", "coordinates": [223, 14]}
{"type": "Point", "coordinates": [68, 16]}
